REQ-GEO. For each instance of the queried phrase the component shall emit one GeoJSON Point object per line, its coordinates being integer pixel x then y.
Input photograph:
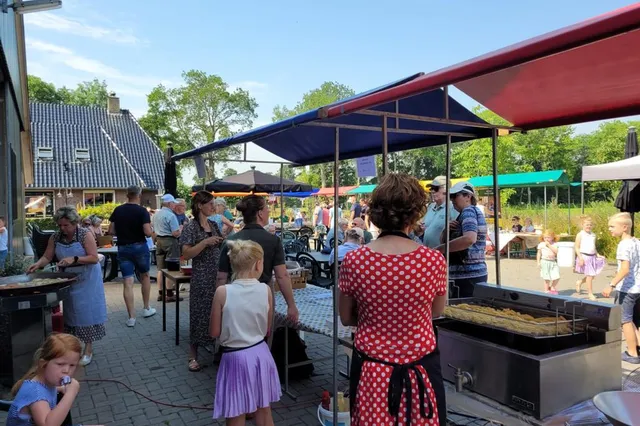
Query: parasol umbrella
{"type": "Point", "coordinates": [256, 181]}
{"type": "Point", "coordinates": [170, 173]}
{"type": "Point", "coordinates": [628, 199]}
{"type": "Point", "coordinates": [218, 185]}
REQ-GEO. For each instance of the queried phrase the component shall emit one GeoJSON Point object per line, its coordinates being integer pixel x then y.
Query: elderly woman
{"type": "Point", "coordinates": [354, 239]}
{"type": "Point", "coordinates": [467, 265]}
{"type": "Point", "coordinates": [200, 240]}
{"type": "Point", "coordinates": [391, 289]}
{"type": "Point", "coordinates": [343, 224]}
{"type": "Point", "coordinates": [218, 216]}
{"type": "Point", "coordinates": [85, 310]}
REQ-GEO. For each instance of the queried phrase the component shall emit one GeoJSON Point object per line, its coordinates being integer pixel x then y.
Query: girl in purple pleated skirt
{"type": "Point", "coordinates": [588, 262]}
{"type": "Point", "coordinates": [241, 317]}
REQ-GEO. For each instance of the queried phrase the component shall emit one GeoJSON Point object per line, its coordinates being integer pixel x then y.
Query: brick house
{"type": "Point", "coordinates": [87, 156]}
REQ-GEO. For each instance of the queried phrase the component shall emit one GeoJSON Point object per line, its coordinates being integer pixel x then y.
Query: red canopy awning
{"type": "Point", "coordinates": [587, 71]}
{"type": "Point", "coordinates": [329, 192]}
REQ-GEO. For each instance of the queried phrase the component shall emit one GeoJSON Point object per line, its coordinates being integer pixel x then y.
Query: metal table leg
{"type": "Point", "coordinates": [176, 286]}
{"type": "Point", "coordinates": [164, 302]}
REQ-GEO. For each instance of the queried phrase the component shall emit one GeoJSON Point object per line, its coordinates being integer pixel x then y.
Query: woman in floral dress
{"type": "Point", "coordinates": [391, 289]}
{"type": "Point", "coordinates": [201, 240]}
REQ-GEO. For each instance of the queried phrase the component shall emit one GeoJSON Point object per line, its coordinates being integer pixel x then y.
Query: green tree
{"type": "Point", "coordinates": [229, 172]}
{"type": "Point", "coordinates": [41, 91]}
{"type": "Point", "coordinates": [87, 93]}
{"type": "Point", "coordinates": [199, 112]}
{"type": "Point", "coordinates": [327, 93]}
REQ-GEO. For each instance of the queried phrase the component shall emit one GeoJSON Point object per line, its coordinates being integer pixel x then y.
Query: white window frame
{"type": "Point", "coordinates": [96, 191]}
{"type": "Point", "coordinates": [82, 154]}
{"type": "Point", "coordinates": [45, 149]}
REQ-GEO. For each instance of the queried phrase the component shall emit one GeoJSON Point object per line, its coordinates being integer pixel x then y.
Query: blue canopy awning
{"type": "Point", "coordinates": [297, 194]}
{"type": "Point", "coordinates": [308, 138]}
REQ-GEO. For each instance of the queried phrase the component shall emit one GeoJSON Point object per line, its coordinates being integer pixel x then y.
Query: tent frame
{"type": "Point", "coordinates": [384, 130]}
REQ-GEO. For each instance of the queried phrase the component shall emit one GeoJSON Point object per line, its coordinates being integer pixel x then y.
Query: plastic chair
{"type": "Point", "coordinates": [305, 231]}
{"type": "Point", "coordinates": [308, 262]}
{"type": "Point", "coordinates": [304, 239]}
{"type": "Point", "coordinates": [288, 236]}
{"type": "Point", "coordinates": [294, 247]}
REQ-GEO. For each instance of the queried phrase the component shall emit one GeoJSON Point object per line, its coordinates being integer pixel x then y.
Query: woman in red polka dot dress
{"type": "Point", "coordinates": [391, 289]}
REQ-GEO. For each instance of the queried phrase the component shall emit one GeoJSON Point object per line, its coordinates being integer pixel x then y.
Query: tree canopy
{"type": "Point", "coordinates": [200, 111]}
{"type": "Point", "coordinates": [87, 93]}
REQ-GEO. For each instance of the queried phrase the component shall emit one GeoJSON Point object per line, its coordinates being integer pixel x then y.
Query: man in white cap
{"type": "Point", "coordinates": [434, 221]}
{"type": "Point", "coordinates": [166, 230]}
{"type": "Point", "coordinates": [467, 265]}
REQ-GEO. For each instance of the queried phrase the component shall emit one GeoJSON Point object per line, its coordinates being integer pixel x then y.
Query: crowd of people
{"type": "Point", "coordinates": [392, 284]}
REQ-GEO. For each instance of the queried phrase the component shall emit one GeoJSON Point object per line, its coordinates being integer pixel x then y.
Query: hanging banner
{"type": "Point", "coordinates": [366, 166]}
{"type": "Point", "coordinates": [202, 172]}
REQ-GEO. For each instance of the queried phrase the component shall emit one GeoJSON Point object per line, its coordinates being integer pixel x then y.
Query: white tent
{"type": "Point", "coordinates": [628, 169]}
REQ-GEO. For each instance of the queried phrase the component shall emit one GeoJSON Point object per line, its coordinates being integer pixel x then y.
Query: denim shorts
{"type": "Point", "coordinates": [134, 257]}
{"type": "Point", "coordinates": [630, 303]}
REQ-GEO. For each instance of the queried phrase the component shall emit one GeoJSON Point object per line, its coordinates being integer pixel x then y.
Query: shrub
{"type": "Point", "coordinates": [45, 224]}
{"type": "Point", "coordinates": [18, 267]}
{"type": "Point", "coordinates": [557, 220]}
{"type": "Point", "coordinates": [103, 211]}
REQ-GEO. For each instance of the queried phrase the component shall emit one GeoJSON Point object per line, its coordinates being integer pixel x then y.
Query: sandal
{"type": "Point", "coordinates": [194, 366]}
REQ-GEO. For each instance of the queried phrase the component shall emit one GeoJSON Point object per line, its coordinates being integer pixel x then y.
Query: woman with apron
{"type": "Point", "coordinates": [85, 310]}
{"type": "Point", "coordinates": [391, 289]}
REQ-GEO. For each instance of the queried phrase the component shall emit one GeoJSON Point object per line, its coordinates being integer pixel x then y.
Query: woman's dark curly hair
{"type": "Point", "coordinates": [397, 202]}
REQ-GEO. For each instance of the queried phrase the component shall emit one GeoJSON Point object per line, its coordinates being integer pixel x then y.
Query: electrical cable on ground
{"type": "Point", "coordinates": [278, 406]}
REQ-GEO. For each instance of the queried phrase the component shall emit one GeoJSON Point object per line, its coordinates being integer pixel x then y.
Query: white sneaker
{"type": "Point", "coordinates": [131, 322]}
{"type": "Point", "coordinates": [86, 359]}
{"type": "Point", "coordinates": [149, 312]}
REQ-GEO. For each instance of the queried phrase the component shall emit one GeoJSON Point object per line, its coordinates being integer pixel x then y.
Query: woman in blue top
{"type": "Point", "coordinates": [224, 225]}
{"type": "Point", "coordinates": [85, 310]}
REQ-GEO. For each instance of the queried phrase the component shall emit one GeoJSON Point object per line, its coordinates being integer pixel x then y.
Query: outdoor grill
{"type": "Point", "coordinates": [25, 318]}
{"type": "Point", "coordinates": [533, 352]}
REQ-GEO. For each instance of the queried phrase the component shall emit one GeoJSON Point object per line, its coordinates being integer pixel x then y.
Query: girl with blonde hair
{"type": "Point", "coordinates": [548, 261]}
{"type": "Point", "coordinates": [241, 318]}
{"type": "Point", "coordinates": [588, 262]}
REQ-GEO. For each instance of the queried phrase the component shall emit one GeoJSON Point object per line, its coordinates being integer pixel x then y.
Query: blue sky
{"type": "Point", "coordinates": [278, 50]}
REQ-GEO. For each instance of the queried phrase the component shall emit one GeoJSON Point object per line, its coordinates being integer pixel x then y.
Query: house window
{"type": "Point", "coordinates": [45, 153]}
{"type": "Point", "coordinates": [97, 198]}
{"type": "Point", "coordinates": [38, 204]}
{"type": "Point", "coordinates": [82, 154]}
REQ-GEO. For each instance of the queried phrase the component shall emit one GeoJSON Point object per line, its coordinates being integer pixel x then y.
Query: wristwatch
{"type": "Point", "coordinates": [75, 259]}
{"type": "Point", "coordinates": [612, 285]}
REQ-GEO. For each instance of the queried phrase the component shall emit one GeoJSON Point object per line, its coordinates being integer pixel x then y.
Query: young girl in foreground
{"type": "Point", "coordinates": [548, 262]}
{"type": "Point", "coordinates": [36, 394]}
{"type": "Point", "coordinates": [241, 316]}
{"type": "Point", "coordinates": [588, 261]}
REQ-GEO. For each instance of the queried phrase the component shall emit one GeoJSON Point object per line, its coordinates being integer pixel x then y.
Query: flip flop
{"type": "Point", "coordinates": [194, 366]}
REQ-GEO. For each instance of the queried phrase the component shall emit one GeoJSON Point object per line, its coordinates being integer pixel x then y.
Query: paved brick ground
{"type": "Point", "coordinates": [148, 360]}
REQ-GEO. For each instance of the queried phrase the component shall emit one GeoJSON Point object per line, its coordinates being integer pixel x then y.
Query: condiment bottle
{"type": "Point", "coordinates": [341, 402]}
{"type": "Point", "coordinates": [326, 400]}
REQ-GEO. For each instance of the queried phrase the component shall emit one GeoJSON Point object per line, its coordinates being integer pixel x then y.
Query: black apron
{"type": "Point", "coordinates": [400, 379]}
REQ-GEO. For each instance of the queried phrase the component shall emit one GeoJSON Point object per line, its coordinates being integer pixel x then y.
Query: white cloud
{"type": "Point", "coordinates": [51, 21]}
{"type": "Point", "coordinates": [255, 88]}
{"type": "Point", "coordinates": [97, 69]}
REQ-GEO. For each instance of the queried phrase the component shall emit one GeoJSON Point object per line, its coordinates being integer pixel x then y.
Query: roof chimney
{"type": "Point", "coordinates": [113, 103]}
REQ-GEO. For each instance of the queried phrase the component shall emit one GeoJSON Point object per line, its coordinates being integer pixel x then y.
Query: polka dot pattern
{"type": "Point", "coordinates": [394, 295]}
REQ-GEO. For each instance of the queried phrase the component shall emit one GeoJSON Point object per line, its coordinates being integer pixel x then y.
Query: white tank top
{"type": "Point", "coordinates": [587, 243]}
{"type": "Point", "coordinates": [245, 313]}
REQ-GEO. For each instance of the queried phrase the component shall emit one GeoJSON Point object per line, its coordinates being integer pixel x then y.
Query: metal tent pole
{"type": "Point", "coordinates": [528, 197]}
{"type": "Point", "coordinates": [447, 209]}
{"type": "Point", "coordinates": [569, 208]}
{"type": "Point", "coordinates": [385, 146]}
{"type": "Point", "coordinates": [582, 197]}
{"type": "Point", "coordinates": [281, 200]}
{"type": "Point", "coordinates": [336, 180]}
{"type": "Point", "coordinates": [496, 197]}
{"type": "Point", "coordinates": [545, 207]}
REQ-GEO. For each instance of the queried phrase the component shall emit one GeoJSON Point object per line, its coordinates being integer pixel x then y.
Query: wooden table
{"type": "Point", "coordinates": [177, 278]}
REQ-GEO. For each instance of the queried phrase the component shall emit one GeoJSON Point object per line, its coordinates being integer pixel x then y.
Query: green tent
{"type": "Point", "coordinates": [362, 189]}
{"type": "Point", "coordinates": [524, 180]}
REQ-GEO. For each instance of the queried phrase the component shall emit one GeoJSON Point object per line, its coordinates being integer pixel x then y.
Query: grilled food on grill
{"type": "Point", "coordinates": [508, 319]}
{"type": "Point", "coordinates": [36, 282]}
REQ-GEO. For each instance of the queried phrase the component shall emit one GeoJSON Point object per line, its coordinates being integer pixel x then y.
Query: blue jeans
{"type": "Point", "coordinates": [134, 257]}
{"type": "Point", "coordinates": [3, 258]}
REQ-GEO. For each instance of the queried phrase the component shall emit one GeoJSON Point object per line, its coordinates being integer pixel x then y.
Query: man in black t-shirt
{"type": "Point", "coordinates": [356, 209]}
{"type": "Point", "coordinates": [131, 224]}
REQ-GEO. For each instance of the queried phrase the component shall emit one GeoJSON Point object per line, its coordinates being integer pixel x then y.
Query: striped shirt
{"type": "Point", "coordinates": [472, 220]}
